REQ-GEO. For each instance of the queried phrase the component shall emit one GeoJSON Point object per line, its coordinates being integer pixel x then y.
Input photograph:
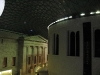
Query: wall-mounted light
{"type": "Point", "coordinates": [66, 18]}
{"type": "Point", "coordinates": [92, 12]}
{"type": "Point", "coordinates": [70, 16]}
{"type": "Point", "coordinates": [82, 14]}
{"type": "Point", "coordinates": [2, 5]}
{"type": "Point", "coordinates": [97, 12]}
{"type": "Point", "coordinates": [60, 19]}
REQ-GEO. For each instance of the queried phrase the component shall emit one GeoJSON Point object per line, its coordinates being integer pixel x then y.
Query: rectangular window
{"type": "Point", "coordinates": [34, 59]}
{"type": "Point", "coordinates": [97, 43]}
{"type": "Point", "coordinates": [29, 60]}
{"type": "Point", "coordinates": [5, 62]}
{"type": "Point", "coordinates": [57, 44]}
{"type": "Point", "coordinates": [13, 61]}
{"type": "Point", "coordinates": [39, 59]}
{"type": "Point", "coordinates": [72, 44]}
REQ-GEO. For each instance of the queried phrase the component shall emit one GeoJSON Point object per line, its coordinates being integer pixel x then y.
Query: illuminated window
{"type": "Point", "coordinates": [34, 59]}
{"type": "Point", "coordinates": [56, 44]}
{"type": "Point", "coordinates": [97, 43]}
{"type": "Point", "coordinates": [5, 62]}
{"type": "Point", "coordinates": [14, 61]}
{"type": "Point", "coordinates": [74, 44]}
{"type": "Point", "coordinates": [29, 60]}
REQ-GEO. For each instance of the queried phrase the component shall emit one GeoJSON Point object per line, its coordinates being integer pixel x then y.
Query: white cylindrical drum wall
{"type": "Point", "coordinates": [66, 46]}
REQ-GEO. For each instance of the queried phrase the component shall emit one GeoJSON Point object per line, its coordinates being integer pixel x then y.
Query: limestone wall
{"type": "Point", "coordinates": [9, 49]}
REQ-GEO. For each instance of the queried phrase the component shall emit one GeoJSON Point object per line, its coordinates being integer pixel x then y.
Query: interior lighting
{"type": "Point", "coordinates": [2, 5]}
{"type": "Point", "coordinates": [6, 72]}
{"type": "Point", "coordinates": [66, 18]}
{"type": "Point", "coordinates": [97, 12]}
{"type": "Point", "coordinates": [92, 12]}
{"type": "Point", "coordinates": [0, 73]}
{"type": "Point", "coordinates": [82, 14]}
{"type": "Point", "coordinates": [70, 16]}
{"type": "Point", "coordinates": [38, 68]}
{"type": "Point", "coordinates": [60, 20]}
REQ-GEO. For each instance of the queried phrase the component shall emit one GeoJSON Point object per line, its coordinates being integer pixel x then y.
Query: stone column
{"type": "Point", "coordinates": [21, 72]}
{"type": "Point", "coordinates": [42, 55]}
{"type": "Point", "coordinates": [32, 57]}
{"type": "Point", "coordinates": [46, 53]}
{"type": "Point", "coordinates": [24, 60]}
{"type": "Point", "coordinates": [37, 55]}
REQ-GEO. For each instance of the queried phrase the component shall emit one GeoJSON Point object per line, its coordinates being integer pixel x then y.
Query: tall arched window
{"type": "Point", "coordinates": [55, 44]}
{"type": "Point", "coordinates": [72, 44]}
{"type": "Point", "coordinates": [97, 43]}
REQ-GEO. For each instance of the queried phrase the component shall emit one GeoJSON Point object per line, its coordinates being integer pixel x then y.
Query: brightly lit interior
{"type": "Point", "coordinates": [7, 72]}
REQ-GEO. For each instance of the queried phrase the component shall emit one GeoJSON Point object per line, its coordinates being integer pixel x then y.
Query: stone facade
{"type": "Point", "coordinates": [34, 53]}
{"type": "Point", "coordinates": [74, 47]}
{"type": "Point", "coordinates": [17, 52]}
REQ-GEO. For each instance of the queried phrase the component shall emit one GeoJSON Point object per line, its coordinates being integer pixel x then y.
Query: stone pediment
{"type": "Point", "coordinates": [37, 38]}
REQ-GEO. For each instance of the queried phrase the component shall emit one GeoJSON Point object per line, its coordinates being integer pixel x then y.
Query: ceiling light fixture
{"type": "Point", "coordinates": [2, 5]}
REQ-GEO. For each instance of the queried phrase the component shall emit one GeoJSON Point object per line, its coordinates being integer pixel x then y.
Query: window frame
{"type": "Point", "coordinates": [69, 43]}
